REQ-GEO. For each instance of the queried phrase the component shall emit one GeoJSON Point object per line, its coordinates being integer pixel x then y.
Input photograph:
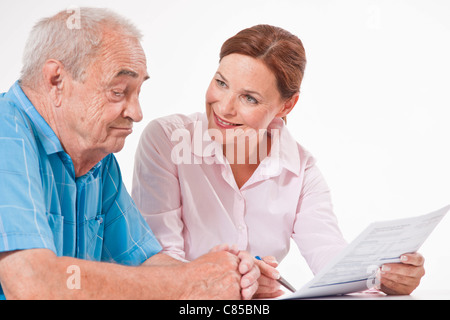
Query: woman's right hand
{"type": "Point", "coordinates": [269, 287]}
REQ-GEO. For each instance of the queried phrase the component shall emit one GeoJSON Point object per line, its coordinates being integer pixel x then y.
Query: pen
{"type": "Point", "coordinates": [282, 281]}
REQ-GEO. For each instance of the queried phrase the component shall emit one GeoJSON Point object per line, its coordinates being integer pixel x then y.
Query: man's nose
{"type": "Point", "coordinates": [133, 110]}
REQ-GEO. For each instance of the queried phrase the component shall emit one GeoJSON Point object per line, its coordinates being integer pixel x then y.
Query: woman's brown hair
{"type": "Point", "coordinates": [281, 51]}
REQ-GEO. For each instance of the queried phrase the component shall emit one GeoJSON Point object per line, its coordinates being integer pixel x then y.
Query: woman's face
{"type": "Point", "coordinates": [243, 95]}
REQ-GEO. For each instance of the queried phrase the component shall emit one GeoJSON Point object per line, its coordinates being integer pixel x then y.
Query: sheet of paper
{"type": "Point", "coordinates": [354, 269]}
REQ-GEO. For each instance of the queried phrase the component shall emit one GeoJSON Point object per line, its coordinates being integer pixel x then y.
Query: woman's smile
{"type": "Point", "coordinates": [221, 123]}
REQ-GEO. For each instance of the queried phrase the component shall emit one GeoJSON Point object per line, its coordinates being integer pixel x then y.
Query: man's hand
{"type": "Point", "coordinates": [402, 278]}
{"type": "Point", "coordinates": [214, 275]}
{"type": "Point", "coordinates": [247, 268]}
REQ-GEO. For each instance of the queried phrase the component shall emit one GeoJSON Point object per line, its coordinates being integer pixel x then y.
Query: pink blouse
{"type": "Point", "coordinates": [186, 191]}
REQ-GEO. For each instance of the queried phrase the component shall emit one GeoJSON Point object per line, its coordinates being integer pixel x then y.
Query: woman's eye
{"type": "Point", "coordinates": [117, 93]}
{"type": "Point", "coordinates": [221, 83]}
{"type": "Point", "coordinates": [250, 99]}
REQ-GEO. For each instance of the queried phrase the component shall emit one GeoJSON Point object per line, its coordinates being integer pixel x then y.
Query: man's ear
{"type": "Point", "coordinates": [53, 76]}
{"type": "Point", "coordinates": [288, 105]}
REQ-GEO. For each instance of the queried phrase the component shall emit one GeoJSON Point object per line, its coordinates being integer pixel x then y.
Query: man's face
{"type": "Point", "coordinates": [100, 112]}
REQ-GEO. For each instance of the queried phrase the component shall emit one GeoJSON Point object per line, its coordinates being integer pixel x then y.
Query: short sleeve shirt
{"type": "Point", "coordinates": [43, 204]}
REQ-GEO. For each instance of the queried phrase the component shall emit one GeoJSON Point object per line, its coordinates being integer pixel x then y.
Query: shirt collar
{"type": "Point", "coordinates": [284, 152]}
{"type": "Point", "coordinates": [46, 135]}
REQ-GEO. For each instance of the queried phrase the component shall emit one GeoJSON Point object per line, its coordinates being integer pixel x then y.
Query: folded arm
{"type": "Point", "coordinates": [40, 274]}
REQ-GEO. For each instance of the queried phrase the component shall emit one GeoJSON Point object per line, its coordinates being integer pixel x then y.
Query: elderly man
{"type": "Point", "coordinates": [68, 227]}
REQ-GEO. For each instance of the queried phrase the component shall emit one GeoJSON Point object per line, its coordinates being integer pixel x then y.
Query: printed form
{"type": "Point", "coordinates": [354, 269]}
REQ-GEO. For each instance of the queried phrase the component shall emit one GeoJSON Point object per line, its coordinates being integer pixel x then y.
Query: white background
{"type": "Point", "coordinates": [374, 108]}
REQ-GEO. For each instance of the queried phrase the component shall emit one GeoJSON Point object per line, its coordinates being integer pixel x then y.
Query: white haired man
{"type": "Point", "coordinates": [64, 212]}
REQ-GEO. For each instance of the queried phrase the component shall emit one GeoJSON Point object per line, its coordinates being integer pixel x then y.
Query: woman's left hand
{"type": "Point", "coordinates": [402, 278]}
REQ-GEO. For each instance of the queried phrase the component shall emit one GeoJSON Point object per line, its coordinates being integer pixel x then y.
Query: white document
{"type": "Point", "coordinates": [354, 268]}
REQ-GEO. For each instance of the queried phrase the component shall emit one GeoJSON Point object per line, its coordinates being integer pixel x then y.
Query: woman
{"type": "Point", "coordinates": [235, 175]}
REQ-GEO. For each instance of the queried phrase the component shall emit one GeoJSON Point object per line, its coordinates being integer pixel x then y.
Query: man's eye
{"type": "Point", "coordinates": [117, 93]}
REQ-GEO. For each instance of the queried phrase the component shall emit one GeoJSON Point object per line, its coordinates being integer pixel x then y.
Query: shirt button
{"type": "Point", "coordinates": [241, 227]}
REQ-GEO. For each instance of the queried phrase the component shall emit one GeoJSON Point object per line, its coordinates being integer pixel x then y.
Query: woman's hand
{"type": "Point", "coordinates": [268, 284]}
{"type": "Point", "coordinates": [402, 278]}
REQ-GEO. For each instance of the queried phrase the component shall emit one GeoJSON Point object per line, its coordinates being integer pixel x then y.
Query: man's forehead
{"type": "Point", "coordinates": [123, 56]}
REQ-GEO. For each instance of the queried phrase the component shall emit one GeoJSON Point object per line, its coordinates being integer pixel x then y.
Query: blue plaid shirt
{"type": "Point", "coordinates": [43, 204]}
